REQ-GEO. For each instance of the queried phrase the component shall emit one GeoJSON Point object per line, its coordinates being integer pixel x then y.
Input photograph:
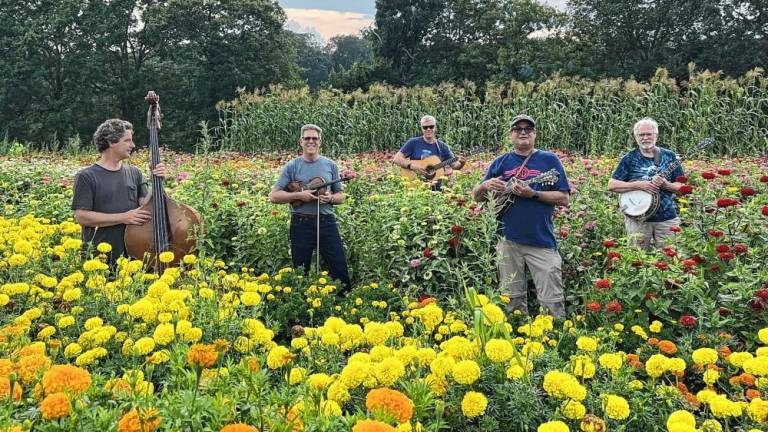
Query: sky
{"type": "Point", "coordinates": [329, 18]}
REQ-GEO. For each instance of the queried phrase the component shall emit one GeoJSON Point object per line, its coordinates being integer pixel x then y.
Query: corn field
{"type": "Point", "coordinates": [573, 114]}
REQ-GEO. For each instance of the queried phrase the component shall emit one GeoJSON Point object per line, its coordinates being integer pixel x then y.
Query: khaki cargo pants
{"type": "Point", "coordinates": [644, 234]}
{"type": "Point", "coordinates": [546, 268]}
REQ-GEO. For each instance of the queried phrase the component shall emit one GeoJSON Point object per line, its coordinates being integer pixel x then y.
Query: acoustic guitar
{"type": "Point", "coordinates": [434, 169]}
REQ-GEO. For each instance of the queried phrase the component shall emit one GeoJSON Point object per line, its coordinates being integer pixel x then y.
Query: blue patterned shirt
{"type": "Point", "coordinates": [635, 166]}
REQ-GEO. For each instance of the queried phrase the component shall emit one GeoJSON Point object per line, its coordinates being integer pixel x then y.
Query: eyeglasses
{"type": "Point", "coordinates": [311, 138]}
{"type": "Point", "coordinates": [427, 127]}
{"type": "Point", "coordinates": [523, 130]}
{"type": "Point", "coordinates": [645, 135]}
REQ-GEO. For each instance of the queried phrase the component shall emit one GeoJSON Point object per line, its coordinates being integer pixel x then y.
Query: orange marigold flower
{"type": "Point", "coordinates": [652, 341]}
{"type": "Point", "coordinates": [667, 347]}
{"type": "Point", "coordinates": [391, 402]}
{"type": "Point", "coordinates": [372, 426]}
{"type": "Point", "coordinates": [222, 345]}
{"type": "Point", "coordinates": [634, 360]}
{"type": "Point", "coordinates": [692, 400]}
{"type": "Point", "coordinates": [55, 405]}
{"type": "Point", "coordinates": [253, 364]}
{"type": "Point", "coordinates": [134, 421]}
{"type": "Point", "coordinates": [30, 350]}
{"type": "Point", "coordinates": [238, 427]}
{"type": "Point", "coordinates": [725, 351]}
{"type": "Point", "coordinates": [6, 367]}
{"type": "Point", "coordinates": [66, 378]}
{"type": "Point", "coordinates": [747, 379]}
{"type": "Point", "coordinates": [682, 388]}
{"type": "Point", "coordinates": [28, 367]}
{"type": "Point", "coordinates": [203, 355]}
{"type": "Point", "coordinates": [735, 380]}
{"type": "Point", "coordinates": [427, 301]}
{"type": "Point", "coordinates": [5, 389]}
{"type": "Point", "coordinates": [752, 393]}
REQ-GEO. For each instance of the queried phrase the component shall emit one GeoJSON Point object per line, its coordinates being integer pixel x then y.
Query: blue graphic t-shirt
{"type": "Point", "coordinates": [417, 149]}
{"type": "Point", "coordinates": [634, 166]}
{"type": "Point", "coordinates": [528, 221]}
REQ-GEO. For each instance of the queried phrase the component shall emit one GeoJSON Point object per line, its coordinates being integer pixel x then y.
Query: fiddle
{"type": "Point", "coordinates": [317, 185]}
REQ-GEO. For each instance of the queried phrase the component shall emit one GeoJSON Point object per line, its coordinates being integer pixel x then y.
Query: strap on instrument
{"type": "Point", "coordinates": [657, 158]}
{"type": "Point", "coordinates": [525, 162]}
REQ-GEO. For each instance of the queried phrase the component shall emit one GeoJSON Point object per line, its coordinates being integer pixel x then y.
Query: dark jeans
{"type": "Point", "coordinates": [303, 239]}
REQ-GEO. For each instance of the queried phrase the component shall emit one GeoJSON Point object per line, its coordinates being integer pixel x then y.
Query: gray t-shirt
{"type": "Point", "coordinates": [101, 190]}
{"type": "Point", "coordinates": [302, 170]}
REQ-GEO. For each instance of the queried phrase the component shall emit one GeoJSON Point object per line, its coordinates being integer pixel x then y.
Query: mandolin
{"type": "Point", "coordinates": [506, 198]}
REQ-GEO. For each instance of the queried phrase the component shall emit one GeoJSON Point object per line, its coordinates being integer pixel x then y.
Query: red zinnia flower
{"type": "Point", "coordinates": [716, 233]}
{"type": "Point", "coordinates": [764, 179]}
{"type": "Point", "coordinates": [564, 233]}
{"type": "Point", "coordinates": [715, 267]}
{"type": "Point", "coordinates": [668, 251]}
{"type": "Point", "coordinates": [427, 253]}
{"type": "Point", "coordinates": [726, 202]}
{"type": "Point", "coordinates": [690, 263]}
{"type": "Point", "coordinates": [593, 307]}
{"type": "Point", "coordinates": [765, 210]}
{"type": "Point", "coordinates": [724, 312]}
{"type": "Point", "coordinates": [708, 175]}
{"type": "Point", "coordinates": [457, 229]}
{"type": "Point", "coordinates": [603, 284]}
{"type": "Point", "coordinates": [453, 242]}
{"type": "Point", "coordinates": [698, 259]}
{"type": "Point", "coordinates": [757, 305]}
{"type": "Point", "coordinates": [687, 321]}
{"type": "Point", "coordinates": [613, 306]}
{"type": "Point", "coordinates": [747, 191]}
{"type": "Point", "coordinates": [762, 293]}
{"type": "Point", "coordinates": [724, 172]}
{"type": "Point", "coordinates": [661, 265]}
{"type": "Point", "coordinates": [725, 256]}
{"type": "Point", "coordinates": [685, 190]}
{"type": "Point", "coordinates": [740, 248]}
{"type": "Point", "coordinates": [609, 243]}
{"type": "Point", "coordinates": [613, 255]}
{"type": "Point", "coordinates": [650, 295]}
{"type": "Point", "coordinates": [681, 179]}
{"type": "Point", "coordinates": [675, 229]}
{"type": "Point", "coordinates": [637, 264]}
{"type": "Point", "coordinates": [722, 248]}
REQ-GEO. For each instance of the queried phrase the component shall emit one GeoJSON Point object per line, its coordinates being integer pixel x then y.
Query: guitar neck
{"type": "Point", "coordinates": [445, 163]}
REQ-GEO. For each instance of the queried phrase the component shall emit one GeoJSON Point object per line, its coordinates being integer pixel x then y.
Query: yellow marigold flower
{"type": "Point", "coordinates": [616, 407]}
{"type": "Point", "coordinates": [498, 350]}
{"type": "Point", "coordinates": [236, 427]}
{"type": "Point", "coordinates": [159, 357]}
{"type": "Point", "coordinates": [17, 260]}
{"type": "Point", "coordinates": [250, 298]}
{"type": "Point", "coordinates": [338, 392]}
{"type": "Point", "coordinates": [144, 346]}
{"type": "Point", "coordinates": [66, 378]}
{"type": "Point", "coordinates": [104, 247]}
{"type": "Point", "coordinates": [515, 372]}
{"type": "Point", "coordinates": [762, 334]}
{"type": "Point", "coordinates": [319, 381]}
{"type": "Point", "coordinates": [166, 257]}
{"type": "Point", "coordinates": [532, 349]}
{"type": "Point", "coordinates": [756, 366]}
{"type": "Point", "coordinates": [391, 402]}
{"type": "Point", "coordinates": [583, 366]}
{"type": "Point", "coordinates": [721, 407]}
{"type": "Point", "coordinates": [656, 366]}
{"type": "Point", "coordinates": [711, 376]}
{"type": "Point", "coordinates": [738, 358]}
{"type": "Point", "coordinates": [473, 404]}
{"type": "Point", "coordinates": [711, 425]}
{"type": "Point", "coordinates": [758, 410]}
{"type": "Point", "coordinates": [46, 332]}
{"type": "Point", "coordinates": [610, 361]}
{"type": "Point", "coordinates": [278, 357]}
{"type": "Point", "coordinates": [189, 259]}
{"type": "Point", "coordinates": [553, 426]}
{"type": "Point", "coordinates": [164, 334]}
{"type": "Point", "coordinates": [5, 389]}
{"type": "Point", "coordinates": [372, 426]}
{"type": "Point", "coordinates": [55, 406]}
{"type": "Point", "coordinates": [466, 372]}
{"type": "Point", "coordinates": [592, 423]}
{"type": "Point", "coordinates": [4, 299]}
{"type": "Point", "coordinates": [704, 356]}
{"type": "Point", "coordinates": [680, 417]}
{"type": "Point", "coordinates": [636, 384]}
{"type": "Point", "coordinates": [564, 385]}
{"type": "Point", "coordinates": [676, 364]}
{"type": "Point", "coordinates": [143, 420]}
{"type": "Point", "coordinates": [574, 410]}
{"type": "Point", "coordinates": [71, 295]}
{"type": "Point", "coordinates": [493, 314]}
{"type": "Point", "coordinates": [388, 371]}
{"type": "Point", "coordinates": [586, 343]}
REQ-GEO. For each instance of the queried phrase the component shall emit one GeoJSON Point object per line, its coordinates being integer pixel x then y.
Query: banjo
{"type": "Point", "coordinates": [641, 205]}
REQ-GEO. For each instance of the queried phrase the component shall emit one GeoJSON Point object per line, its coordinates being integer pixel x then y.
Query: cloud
{"type": "Point", "coordinates": [329, 23]}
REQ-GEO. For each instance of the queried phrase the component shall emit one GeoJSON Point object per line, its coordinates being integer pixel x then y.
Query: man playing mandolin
{"type": "Point", "coordinates": [638, 170]}
{"type": "Point", "coordinates": [527, 227]}
{"type": "Point", "coordinates": [426, 148]}
{"type": "Point", "coordinates": [304, 216]}
{"type": "Point", "coordinates": [108, 194]}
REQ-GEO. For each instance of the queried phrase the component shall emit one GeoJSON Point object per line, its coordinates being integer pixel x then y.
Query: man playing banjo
{"type": "Point", "coordinates": [639, 170]}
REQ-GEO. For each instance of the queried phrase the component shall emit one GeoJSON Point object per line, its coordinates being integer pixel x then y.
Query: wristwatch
{"type": "Point", "coordinates": [535, 195]}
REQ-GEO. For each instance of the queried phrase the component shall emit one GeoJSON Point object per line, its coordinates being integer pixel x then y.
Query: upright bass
{"type": "Point", "coordinates": [171, 225]}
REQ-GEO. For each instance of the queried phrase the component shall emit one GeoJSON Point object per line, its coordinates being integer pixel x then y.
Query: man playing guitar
{"type": "Point", "coordinates": [423, 147]}
{"type": "Point", "coordinates": [638, 170]}
{"type": "Point", "coordinates": [527, 227]}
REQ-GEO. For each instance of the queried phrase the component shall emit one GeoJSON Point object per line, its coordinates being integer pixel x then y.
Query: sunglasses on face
{"type": "Point", "coordinates": [428, 127]}
{"type": "Point", "coordinates": [523, 130]}
{"type": "Point", "coordinates": [311, 138]}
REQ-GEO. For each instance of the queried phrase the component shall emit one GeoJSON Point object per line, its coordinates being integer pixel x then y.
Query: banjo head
{"type": "Point", "coordinates": [635, 203]}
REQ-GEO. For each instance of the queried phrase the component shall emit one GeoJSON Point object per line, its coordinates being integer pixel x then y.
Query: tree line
{"type": "Point", "coordinates": [65, 65]}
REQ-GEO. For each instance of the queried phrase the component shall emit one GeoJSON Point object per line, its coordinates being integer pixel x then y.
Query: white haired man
{"type": "Point", "coordinates": [638, 170]}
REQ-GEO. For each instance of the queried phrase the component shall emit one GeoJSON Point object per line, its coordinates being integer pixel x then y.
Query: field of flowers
{"type": "Point", "coordinates": [234, 339]}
